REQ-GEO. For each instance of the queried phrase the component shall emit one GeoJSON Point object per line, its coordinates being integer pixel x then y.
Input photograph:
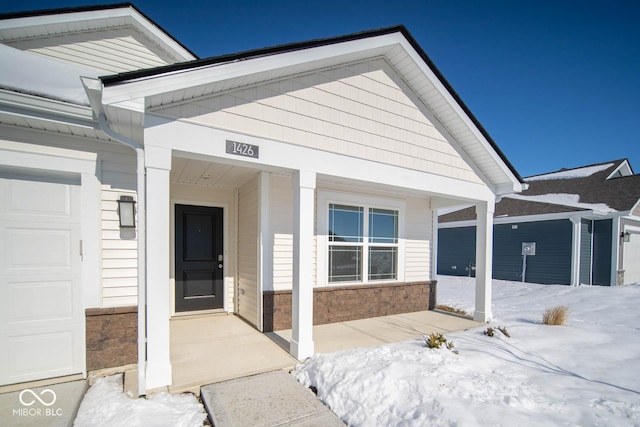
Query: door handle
{"type": "Point", "coordinates": [219, 265]}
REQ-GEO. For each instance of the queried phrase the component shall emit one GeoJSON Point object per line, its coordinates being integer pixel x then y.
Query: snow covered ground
{"type": "Point", "coordinates": [105, 404]}
{"type": "Point", "coordinates": [584, 373]}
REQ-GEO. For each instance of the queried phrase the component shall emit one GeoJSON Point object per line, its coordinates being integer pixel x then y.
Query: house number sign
{"type": "Point", "coordinates": [242, 149]}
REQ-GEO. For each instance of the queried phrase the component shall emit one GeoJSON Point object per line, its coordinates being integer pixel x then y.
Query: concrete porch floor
{"type": "Point", "coordinates": [208, 349]}
{"type": "Point", "coordinates": [378, 330]}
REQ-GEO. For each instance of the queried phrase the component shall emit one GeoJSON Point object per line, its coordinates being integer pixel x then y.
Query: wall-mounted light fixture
{"type": "Point", "coordinates": [626, 236]}
{"type": "Point", "coordinates": [126, 212]}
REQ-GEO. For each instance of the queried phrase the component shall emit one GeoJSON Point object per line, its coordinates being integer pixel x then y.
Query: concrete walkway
{"type": "Point", "coordinates": [277, 399]}
{"type": "Point", "coordinates": [208, 349]}
{"type": "Point", "coordinates": [271, 399]}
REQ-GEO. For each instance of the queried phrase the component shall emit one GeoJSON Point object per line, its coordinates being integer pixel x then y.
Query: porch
{"type": "Point", "coordinates": [211, 348]}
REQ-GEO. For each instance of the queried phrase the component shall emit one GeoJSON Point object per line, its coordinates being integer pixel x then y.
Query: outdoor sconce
{"type": "Point", "coordinates": [626, 236]}
{"type": "Point", "coordinates": [126, 212]}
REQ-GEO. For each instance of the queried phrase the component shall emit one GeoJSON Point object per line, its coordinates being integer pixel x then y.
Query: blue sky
{"type": "Point", "coordinates": [555, 83]}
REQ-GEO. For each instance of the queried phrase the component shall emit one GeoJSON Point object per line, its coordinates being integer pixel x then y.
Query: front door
{"type": "Point", "coordinates": [199, 258]}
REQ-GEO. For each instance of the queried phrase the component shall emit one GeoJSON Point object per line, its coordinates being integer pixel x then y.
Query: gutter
{"type": "Point", "coordinates": [93, 88]}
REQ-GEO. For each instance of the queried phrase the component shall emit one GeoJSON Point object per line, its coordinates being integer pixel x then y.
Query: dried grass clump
{"type": "Point", "coordinates": [555, 316]}
{"type": "Point", "coordinates": [450, 309]}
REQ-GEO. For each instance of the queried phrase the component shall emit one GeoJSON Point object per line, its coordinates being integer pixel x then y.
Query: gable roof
{"type": "Point", "coordinates": [178, 82]}
{"type": "Point", "coordinates": [596, 188]}
{"type": "Point", "coordinates": [30, 25]}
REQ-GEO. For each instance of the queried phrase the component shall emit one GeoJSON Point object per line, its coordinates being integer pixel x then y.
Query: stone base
{"type": "Point", "coordinates": [343, 303]}
{"type": "Point", "coordinates": [112, 337]}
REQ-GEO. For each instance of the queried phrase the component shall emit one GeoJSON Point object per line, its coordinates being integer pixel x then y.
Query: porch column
{"type": "Point", "coordinates": [575, 250]}
{"type": "Point", "coordinates": [304, 184]}
{"type": "Point", "coordinates": [158, 164]}
{"type": "Point", "coordinates": [484, 260]}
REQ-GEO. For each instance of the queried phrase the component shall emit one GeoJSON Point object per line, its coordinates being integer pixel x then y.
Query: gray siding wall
{"type": "Point", "coordinates": [456, 250]}
{"type": "Point", "coordinates": [552, 262]}
{"type": "Point", "coordinates": [586, 235]}
{"type": "Point", "coordinates": [550, 265]}
{"type": "Point", "coordinates": [602, 252]}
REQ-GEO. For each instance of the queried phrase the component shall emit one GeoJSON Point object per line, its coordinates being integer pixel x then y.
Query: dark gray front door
{"type": "Point", "coordinates": [199, 262]}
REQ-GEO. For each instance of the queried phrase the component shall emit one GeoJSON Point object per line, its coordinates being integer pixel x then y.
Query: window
{"type": "Point", "coordinates": [362, 243]}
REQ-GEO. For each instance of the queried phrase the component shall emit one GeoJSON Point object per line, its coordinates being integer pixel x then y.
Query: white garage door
{"type": "Point", "coordinates": [41, 317]}
{"type": "Point", "coordinates": [631, 261]}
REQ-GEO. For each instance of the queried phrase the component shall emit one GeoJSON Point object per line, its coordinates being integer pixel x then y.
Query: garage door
{"type": "Point", "coordinates": [631, 261]}
{"type": "Point", "coordinates": [41, 318]}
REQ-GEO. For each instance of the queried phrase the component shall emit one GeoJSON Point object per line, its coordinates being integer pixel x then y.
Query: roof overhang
{"type": "Point", "coordinates": [577, 215]}
{"type": "Point", "coordinates": [53, 22]}
{"type": "Point", "coordinates": [180, 82]}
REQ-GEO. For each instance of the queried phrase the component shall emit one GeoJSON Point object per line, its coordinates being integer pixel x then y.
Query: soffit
{"type": "Point", "coordinates": [205, 173]}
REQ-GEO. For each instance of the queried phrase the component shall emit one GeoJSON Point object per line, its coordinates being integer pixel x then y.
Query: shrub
{"type": "Point", "coordinates": [449, 309]}
{"type": "Point", "coordinates": [491, 331]}
{"type": "Point", "coordinates": [504, 331]}
{"type": "Point", "coordinates": [436, 340]}
{"type": "Point", "coordinates": [556, 315]}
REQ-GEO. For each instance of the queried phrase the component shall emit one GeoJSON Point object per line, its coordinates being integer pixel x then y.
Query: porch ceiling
{"type": "Point", "coordinates": [205, 173]}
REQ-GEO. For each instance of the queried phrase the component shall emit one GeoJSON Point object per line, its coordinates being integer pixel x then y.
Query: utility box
{"type": "Point", "coordinates": [528, 248]}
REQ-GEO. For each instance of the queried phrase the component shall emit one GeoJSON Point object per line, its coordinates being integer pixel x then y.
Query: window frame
{"type": "Point", "coordinates": [327, 198]}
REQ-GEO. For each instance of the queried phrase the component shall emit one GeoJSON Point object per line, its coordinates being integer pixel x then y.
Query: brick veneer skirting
{"type": "Point", "coordinates": [342, 303]}
{"type": "Point", "coordinates": [112, 337]}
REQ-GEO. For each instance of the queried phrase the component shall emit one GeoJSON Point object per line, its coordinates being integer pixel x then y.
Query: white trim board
{"type": "Point", "coordinates": [284, 157]}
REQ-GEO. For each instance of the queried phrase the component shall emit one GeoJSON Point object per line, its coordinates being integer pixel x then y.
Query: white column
{"type": "Point", "coordinates": [304, 184]}
{"type": "Point", "coordinates": [158, 163]}
{"type": "Point", "coordinates": [484, 259]}
{"type": "Point", "coordinates": [265, 257]}
{"type": "Point", "coordinates": [434, 245]}
{"type": "Point", "coordinates": [575, 251]}
{"type": "Point", "coordinates": [616, 262]}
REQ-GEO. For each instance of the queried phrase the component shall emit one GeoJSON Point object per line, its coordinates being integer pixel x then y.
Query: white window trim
{"type": "Point", "coordinates": [325, 198]}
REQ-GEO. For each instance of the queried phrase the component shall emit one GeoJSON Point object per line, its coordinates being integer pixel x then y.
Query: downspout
{"type": "Point", "coordinates": [93, 88]}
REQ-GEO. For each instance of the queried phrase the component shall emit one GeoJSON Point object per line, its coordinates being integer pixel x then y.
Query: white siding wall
{"type": "Point", "coordinates": [248, 251]}
{"type": "Point", "coordinates": [206, 196]}
{"type": "Point", "coordinates": [418, 240]}
{"type": "Point", "coordinates": [282, 231]}
{"type": "Point", "coordinates": [113, 51]}
{"type": "Point", "coordinates": [363, 110]}
{"type": "Point", "coordinates": [119, 246]}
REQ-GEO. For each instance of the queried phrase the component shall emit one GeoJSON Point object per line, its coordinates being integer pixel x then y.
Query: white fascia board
{"type": "Point", "coordinates": [48, 110]}
{"type": "Point", "coordinates": [100, 19]}
{"type": "Point", "coordinates": [537, 218]}
{"type": "Point", "coordinates": [189, 138]}
{"type": "Point", "coordinates": [514, 184]}
{"type": "Point", "coordinates": [316, 57]}
{"type": "Point", "coordinates": [512, 219]}
{"type": "Point", "coordinates": [37, 103]}
{"type": "Point", "coordinates": [624, 168]}
{"type": "Point", "coordinates": [160, 37]}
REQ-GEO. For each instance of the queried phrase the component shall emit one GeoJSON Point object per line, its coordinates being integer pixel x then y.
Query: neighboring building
{"type": "Point", "coordinates": [585, 223]}
{"type": "Point", "coordinates": [291, 185]}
